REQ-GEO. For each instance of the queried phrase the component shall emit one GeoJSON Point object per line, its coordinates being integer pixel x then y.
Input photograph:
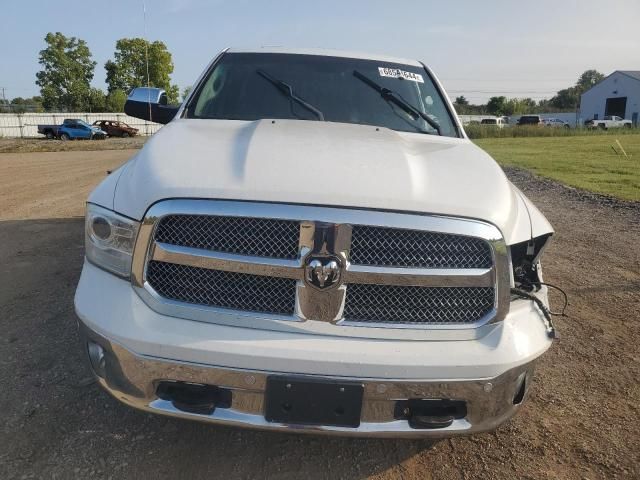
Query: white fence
{"type": "Point", "coordinates": [24, 125]}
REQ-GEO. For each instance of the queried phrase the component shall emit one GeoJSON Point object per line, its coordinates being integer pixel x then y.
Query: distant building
{"type": "Point", "coordinates": [618, 94]}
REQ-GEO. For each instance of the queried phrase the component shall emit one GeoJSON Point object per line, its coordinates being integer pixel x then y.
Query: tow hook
{"type": "Point", "coordinates": [423, 413]}
{"type": "Point", "coordinates": [194, 397]}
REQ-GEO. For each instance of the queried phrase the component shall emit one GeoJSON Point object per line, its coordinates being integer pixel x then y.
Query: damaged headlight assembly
{"type": "Point", "coordinates": [527, 279]}
{"type": "Point", "coordinates": [110, 239]}
{"type": "Point", "coordinates": [525, 258]}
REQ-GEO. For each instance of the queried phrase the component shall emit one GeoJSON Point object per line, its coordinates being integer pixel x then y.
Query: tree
{"type": "Point", "coordinates": [497, 105]}
{"type": "Point", "coordinates": [569, 98]}
{"type": "Point", "coordinates": [186, 92]}
{"type": "Point", "coordinates": [544, 104]}
{"type": "Point", "coordinates": [22, 105]}
{"type": "Point", "coordinates": [19, 105]}
{"type": "Point", "coordinates": [66, 74]}
{"type": "Point", "coordinates": [36, 103]}
{"type": "Point", "coordinates": [588, 79]}
{"type": "Point", "coordinates": [566, 99]}
{"type": "Point", "coordinates": [128, 69]}
{"type": "Point", "coordinates": [115, 101]}
{"type": "Point", "coordinates": [461, 100]}
{"type": "Point", "coordinates": [96, 100]}
{"type": "Point", "coordinates": [519, 106]}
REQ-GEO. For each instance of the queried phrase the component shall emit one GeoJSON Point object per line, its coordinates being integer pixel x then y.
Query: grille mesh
{"type": "Point", "coordinates": [263, 237]}
{"type": "Point", "coordinates": [394, 247]}
{"type": "Point", "coordinates": [417, 305]}
{"type": "Point", "coordinates": [216, 288]}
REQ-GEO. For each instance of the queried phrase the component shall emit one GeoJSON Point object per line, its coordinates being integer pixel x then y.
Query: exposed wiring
{"type": "Point", "coordinates": [548, 322]}
{"type": "Point", "coordinates": [564, 294]}
{"type": "Point", "coordinates": [551, 330]}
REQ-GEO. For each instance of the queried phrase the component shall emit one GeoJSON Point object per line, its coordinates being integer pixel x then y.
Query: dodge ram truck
{"type": "Point", "coordinates": [609, 121]}
{"type": "Point", "coordinates": [312, 244]}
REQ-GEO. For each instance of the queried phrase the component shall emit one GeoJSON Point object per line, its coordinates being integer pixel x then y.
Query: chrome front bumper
{"type": "Point", "coordinates": [133, 379]}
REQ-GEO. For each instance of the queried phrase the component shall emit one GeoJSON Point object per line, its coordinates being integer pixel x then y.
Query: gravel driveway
{"type": "Point", "coordinates": [580, 421]}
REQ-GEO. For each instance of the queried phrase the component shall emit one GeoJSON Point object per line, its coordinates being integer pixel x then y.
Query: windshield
{"type": "Point", "coordinates": [253, 86]}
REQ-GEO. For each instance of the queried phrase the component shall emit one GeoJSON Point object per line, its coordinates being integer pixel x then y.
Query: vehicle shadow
{"type": "Point", "coordinates": [59, 423]}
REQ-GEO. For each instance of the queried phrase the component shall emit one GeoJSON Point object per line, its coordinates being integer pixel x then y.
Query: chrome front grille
{"type": "Point", "coordinates": [262, 237]}
{"type": "Point", "coordinates": [215, 288]}
{"type": "Point", "coordinates": [204, 260]}
{"type": "Point", "coordinates": [395, 247]}
{"type": "Point", "coordinates": [417, 305]}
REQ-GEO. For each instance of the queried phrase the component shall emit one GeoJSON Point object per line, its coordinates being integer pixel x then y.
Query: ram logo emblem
{"type": "Point", "coordinates": [322, 272]}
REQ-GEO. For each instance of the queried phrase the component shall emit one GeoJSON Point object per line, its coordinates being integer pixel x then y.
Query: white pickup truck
{"type": "Point", "coordinates": [313, 244]}
{"type": "Point", "coordinates": [609, 121]}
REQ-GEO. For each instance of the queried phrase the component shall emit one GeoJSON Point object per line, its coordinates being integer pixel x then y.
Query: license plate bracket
{"type": "Point", "coordinates": [303, 401]}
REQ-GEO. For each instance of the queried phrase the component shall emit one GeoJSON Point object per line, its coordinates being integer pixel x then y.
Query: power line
{"type": "Point", "coordinates": [11, 87]}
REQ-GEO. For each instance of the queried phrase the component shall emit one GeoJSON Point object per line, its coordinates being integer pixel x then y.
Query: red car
{"type": "Point", "coordinates": [116, 129]}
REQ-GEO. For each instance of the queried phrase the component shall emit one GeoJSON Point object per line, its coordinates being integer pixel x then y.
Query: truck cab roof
{"type": "Point", "coordinates": [326, 52]}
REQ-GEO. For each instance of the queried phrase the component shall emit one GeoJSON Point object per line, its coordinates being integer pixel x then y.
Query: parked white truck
{"type": "Point", "coordinates": [609, 121]}
{"type": "Point", "coordinates": [313, 244]}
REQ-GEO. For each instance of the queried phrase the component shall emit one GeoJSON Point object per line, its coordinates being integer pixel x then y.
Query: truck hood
{"type": "Point", "coordinates": [321, 163]}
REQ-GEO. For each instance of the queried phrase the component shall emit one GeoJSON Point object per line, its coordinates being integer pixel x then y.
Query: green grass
{"type": "Point", "coordinates": [587, 162]}
{"type": "Point", "coordinates": [475, 131]}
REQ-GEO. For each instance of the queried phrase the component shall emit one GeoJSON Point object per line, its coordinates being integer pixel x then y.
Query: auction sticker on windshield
{"type": "Point", "coordinates": [397, 73]}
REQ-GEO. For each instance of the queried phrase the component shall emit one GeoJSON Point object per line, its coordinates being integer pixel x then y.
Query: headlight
{"type": "Point", "coordinates": [109, 239]}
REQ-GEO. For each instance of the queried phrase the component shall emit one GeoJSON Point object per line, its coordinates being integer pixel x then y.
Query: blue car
{"type": "Point", "coordinates": [71, 129]}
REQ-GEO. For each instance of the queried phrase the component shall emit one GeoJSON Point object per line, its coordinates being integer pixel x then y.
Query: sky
{"type": "Point", "coordinates": [477, 48]}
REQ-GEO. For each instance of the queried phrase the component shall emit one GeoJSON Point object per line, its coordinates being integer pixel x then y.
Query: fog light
{"type": "Point", "coordinates": [96, 357]}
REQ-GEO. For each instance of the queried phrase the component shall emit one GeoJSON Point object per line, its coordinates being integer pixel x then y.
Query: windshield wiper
{"type": "Point", "coordinates": [287, 90]}
{"type": "Point", "coordinates": [391, 96]}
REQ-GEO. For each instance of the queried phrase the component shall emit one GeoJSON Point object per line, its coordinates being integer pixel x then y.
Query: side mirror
{"type": "Point", "coordinates": [150, 104]}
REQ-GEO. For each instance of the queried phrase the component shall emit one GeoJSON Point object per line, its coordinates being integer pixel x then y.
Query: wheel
{"type": "Point", "coordinates": [125, 134]}
{"type": "Point", "coordinates": [627, 125]}
{"type": "Point", "coordinates": [49, 135]}
{"type": "Point", "coordinates": [602, 126]}
{"type": "Point", "coordinates": [64, 137]}
{"type": "Point", "coordinates": [567, 126]}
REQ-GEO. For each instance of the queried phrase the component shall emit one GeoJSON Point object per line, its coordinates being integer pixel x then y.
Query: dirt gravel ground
{"type": "Point", "coordinates": [52, 184]}
{"type": "Point", "coordinates": [580, 421]}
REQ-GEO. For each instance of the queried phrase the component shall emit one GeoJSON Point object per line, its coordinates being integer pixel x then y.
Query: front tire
{"type": "Point", "coordinates": [64, 137]}
{"type": "Point", "coordinates": [125, 134]}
